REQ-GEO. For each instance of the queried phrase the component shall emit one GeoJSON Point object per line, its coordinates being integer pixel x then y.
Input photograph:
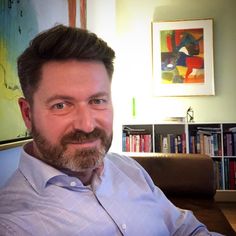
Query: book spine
{"type": "Point", "coordinates": [231, 175]}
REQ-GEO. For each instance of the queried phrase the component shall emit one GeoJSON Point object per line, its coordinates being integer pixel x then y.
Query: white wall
{"type": "Point", "coordinates": [126, 26]}
{"type": "Point", "coordinates": [101, 19]}
{"type": "Point", "coordinates": [134, 33]}
{"type": "Point", "coordinates": [134, 61]}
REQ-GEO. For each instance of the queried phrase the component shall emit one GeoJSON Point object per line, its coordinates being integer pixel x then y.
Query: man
{"type": "Point", "coordinates": [67, 183]}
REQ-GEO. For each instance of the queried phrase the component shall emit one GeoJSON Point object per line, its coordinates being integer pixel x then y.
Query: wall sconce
{"type": "Point", "coordinates": [190, 115]}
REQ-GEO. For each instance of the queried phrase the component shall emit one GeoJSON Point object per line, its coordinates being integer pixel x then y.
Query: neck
{"type": "Point", "coordinates": [85, 176]}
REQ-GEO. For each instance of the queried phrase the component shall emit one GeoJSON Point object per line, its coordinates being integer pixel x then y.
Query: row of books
{"type": "Point", "coordinates": [202, 140]}
{"type": "Point", "coordinates": [230, 173]}
{"type": "Point", "coordinates": [205, 144]}
{"type": "Point", "coordinates": [170, 143]}
{"type": "Point", "coordinates": [218, 174]}
{"type": "Point", "coordinates": [137, 142]}
{"type": "Point", "coordinates": [230, 143]}
{"type": "Point", "coordinates": [209, 142]}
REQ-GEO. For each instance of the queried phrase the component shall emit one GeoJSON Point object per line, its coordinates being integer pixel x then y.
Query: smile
{"type": "Point", "coordinates": [85, 143]}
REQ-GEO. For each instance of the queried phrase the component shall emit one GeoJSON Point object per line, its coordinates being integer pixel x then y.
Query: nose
{"type": "Point", "coordinates": [84, 119]}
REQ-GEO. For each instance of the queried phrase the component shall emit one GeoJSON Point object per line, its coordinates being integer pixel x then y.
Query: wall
{"type": "Point", "coordinates": [134, 64]}
{"type": "Point", "coordinates": [126, 25]}
{"type": "Point", "coordinates": [98, 14]}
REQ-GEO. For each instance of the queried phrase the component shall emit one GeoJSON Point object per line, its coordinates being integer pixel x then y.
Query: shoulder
{"type": "Point", "coordinates": [13, 183]}
{"type": "Point", "coordinates": [13, 197]}
{"type": "Point", "coordinates": [120, 159]}
{"type": "Point", "coordinates": [13, 194]}
{"type": "Point", "coordinates": [16, 181]}
{"type": "Point", "coordinates": [129, 167]}
{"type": "Point", "coordinates": [123, 162]}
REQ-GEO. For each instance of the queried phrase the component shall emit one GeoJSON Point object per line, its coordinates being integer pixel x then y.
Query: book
{"type": "Point", "coordinates": [229, 144]}
{"type": "Point", "coordinates": [232, 185]}
{"type": "Point", "coordinates": [232, 129]}
{"type": "Point", "coordinates": [165, 148]}
{"type": "Point", "coordinates": [234, 143]}
{"type": "Point", "coordinates": [226, 172]}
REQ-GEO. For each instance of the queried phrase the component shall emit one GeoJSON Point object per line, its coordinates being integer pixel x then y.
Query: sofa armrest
{"type": "Point", "coordinates": [181, 175]}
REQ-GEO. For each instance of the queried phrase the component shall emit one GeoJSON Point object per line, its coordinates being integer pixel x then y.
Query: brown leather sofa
{"type": "Point", "coordinates": [188, 181]}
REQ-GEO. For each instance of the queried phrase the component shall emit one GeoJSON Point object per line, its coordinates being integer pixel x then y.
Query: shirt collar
{"type": "Point", "coordinates": [37, 173]}
{"type": "Point", "coordinates": [40, 175]}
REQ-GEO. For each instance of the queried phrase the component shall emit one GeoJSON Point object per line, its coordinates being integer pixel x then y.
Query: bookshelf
{"type": "Point", "coordinates": [216, 139]}
{"type": "Point", "coordinates": [162, 138]}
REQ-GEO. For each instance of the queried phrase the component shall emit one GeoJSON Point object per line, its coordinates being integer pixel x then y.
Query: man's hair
{"type": "Point", "coordinates": [60, 43]}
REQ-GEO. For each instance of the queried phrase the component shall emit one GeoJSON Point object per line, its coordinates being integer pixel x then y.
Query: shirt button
{"type": "Point", "coordinates": [123, 226]}
{"type": "Point", "coordinates": [73, 184]}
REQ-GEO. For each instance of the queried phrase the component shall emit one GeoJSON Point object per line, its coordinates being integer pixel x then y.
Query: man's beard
{"type": "Point", "coordinates": [78, 160]}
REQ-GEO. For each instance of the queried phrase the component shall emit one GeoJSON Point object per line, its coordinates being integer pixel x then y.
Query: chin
{"type": "Point", "coordinates": [81, 160]}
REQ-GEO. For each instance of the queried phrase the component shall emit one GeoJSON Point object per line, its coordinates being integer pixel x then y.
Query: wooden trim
{"type": "Point", "coordinates": [83, 15]}
{"type": "Point", "coordinates": [72, 12]}
{"type": "Point", "coordinates": [14, 144]}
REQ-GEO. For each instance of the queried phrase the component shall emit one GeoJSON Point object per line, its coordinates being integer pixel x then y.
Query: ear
{"type": "Point", "coordinates": [25, 112]}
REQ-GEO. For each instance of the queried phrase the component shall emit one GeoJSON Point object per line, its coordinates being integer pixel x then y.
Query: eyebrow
{"type": "Point", "coordinates": [66, 97]}
{"type": "Point", "coordinates": [100, 94]}
{"type": "Point", "coordinates": [61, 97]}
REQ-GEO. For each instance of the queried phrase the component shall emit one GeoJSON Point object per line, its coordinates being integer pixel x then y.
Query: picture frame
{"type": "Point", "coordinates": [26, 19]}
{"type": "Point", "coordinates": [182, 56]}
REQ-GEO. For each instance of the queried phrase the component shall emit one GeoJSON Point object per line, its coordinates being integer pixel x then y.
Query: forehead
{"type": "Point", "coordinates": [74, 67]}
{"type": "Point", "coordinates": [57, 75]}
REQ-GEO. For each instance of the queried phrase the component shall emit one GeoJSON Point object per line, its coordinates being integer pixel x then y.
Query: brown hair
{"type": "Point", "coordinates": [60, 43]}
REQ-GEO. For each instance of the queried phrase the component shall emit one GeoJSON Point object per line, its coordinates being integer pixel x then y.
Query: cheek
{"type": "Point", "coordinates": [107, 122]}
{"type": "Point", "coordinates": [51, 128]}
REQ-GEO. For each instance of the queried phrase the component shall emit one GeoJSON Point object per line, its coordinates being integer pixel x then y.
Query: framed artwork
{"type": "Point", "coordinates": [20, 21]}
{"type": "Point", "coordinates": [183, 58]}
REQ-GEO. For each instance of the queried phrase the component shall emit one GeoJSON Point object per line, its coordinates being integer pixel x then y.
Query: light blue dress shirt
{"type": "Point", "coordinates": [40, 200]}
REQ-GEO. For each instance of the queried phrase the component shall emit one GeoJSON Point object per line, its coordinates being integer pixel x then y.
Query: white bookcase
{"type": "Point", "coordinates": [216, 139]}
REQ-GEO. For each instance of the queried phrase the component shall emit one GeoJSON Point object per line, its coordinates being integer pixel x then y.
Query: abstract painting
{"type": "Point", "coordinates": [20, 21]}
{"type": "Point", "coordinates": [183, 58]}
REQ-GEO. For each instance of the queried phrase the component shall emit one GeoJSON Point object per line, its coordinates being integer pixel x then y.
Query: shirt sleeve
{"type": "Point", "coordinates": [180, 221]}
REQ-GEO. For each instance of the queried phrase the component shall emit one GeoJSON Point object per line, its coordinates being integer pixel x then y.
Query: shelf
{"type": "Point", "coordinates": [225, 196]}
{"type": "Point", "coordinates": [154, 154]}
{"type": "Point", "coordinates": [215, 139]}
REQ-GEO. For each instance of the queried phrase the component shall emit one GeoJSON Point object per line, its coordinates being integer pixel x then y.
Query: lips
{"type": "Point", "coordinates": [83, 141]}
{"type": "Point", "coordinates": [89, 143]}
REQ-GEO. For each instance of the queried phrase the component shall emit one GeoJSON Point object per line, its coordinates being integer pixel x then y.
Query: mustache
{"type": "Point", "coordinates": [81, 136]}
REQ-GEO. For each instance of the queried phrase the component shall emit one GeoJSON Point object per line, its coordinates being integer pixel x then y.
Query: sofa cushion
{"type": "Point", "coordinates": [181, 176]}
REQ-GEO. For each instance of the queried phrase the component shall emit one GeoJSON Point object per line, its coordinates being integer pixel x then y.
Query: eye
{"type": "Point", "coordinates": [98, 101]}
{"type": "Point", "coordinates": [59, 106]}
{"type": "Point", "coordinates": [62, 106]}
